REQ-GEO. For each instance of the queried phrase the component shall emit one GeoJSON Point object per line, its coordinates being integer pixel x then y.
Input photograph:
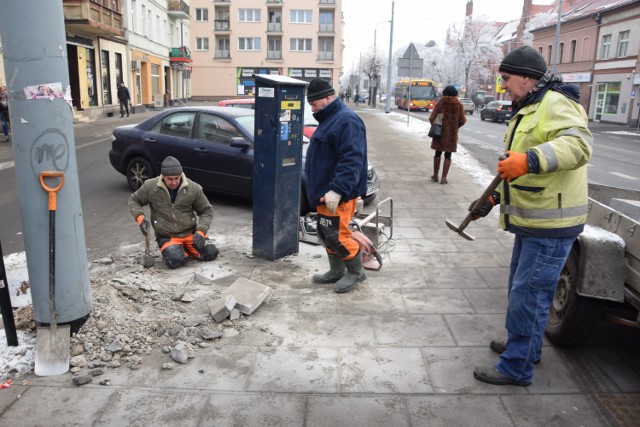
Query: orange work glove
{"type": "Point", "coordinates": [143, 223]}
{"type": "Point", "coordinates": [513, 166]}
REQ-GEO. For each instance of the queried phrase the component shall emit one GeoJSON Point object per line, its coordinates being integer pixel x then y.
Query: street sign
{"type": "Point", "coordinates": [410, 65]}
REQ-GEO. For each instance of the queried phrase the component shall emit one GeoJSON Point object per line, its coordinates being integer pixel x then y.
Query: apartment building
{"type": "Point", "coordinates": [234, 39]}
{"type": "Point", "coordinates": [598, 50]}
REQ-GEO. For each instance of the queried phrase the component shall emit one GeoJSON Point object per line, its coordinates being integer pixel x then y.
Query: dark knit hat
{"type": "Point", "coordinates": [524, 61]}
{"type": "Point", "coordinates": [318, 89]}
{"type": "Point", "coordinates": [171, 167]}
{"type": "Point", "coordinates": [450, 91]}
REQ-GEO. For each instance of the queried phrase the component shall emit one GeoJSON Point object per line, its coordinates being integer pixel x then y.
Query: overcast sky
{"type": "Point", "coordinates": [415, 21]}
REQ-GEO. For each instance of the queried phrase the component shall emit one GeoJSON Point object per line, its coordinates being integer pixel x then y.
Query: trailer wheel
{"type": "Point", "coordinates": [572, 317]}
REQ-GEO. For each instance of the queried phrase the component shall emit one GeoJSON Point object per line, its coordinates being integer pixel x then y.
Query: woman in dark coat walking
{"type": "Point", "coordinates": [453, 117]}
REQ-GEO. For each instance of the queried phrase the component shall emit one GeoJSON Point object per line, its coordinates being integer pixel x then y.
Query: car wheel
{"type": "Point", "coordinates": [481, 116]}
{"type": "Point", "coordinates": [471, 113]}
{"type": "Point", "coordinates": [494, 118]}
{"type": "Point", "coordinates": [304, 203]}
{"type": "Point", "coordinates": [138, 171]}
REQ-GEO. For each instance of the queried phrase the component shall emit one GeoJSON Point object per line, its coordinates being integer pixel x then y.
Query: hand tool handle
{"type": "Point", "coordinates": [52, 190]}
{"type": "Point", "coordinates": [490, 189]}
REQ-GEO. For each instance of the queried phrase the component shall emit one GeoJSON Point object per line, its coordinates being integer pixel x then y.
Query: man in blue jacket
{"type": "Point", "coordinates": [336, 170]}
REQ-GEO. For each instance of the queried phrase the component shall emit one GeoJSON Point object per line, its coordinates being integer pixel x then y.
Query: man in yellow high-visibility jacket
{"type": "Point", "coordinates": [543, 201]}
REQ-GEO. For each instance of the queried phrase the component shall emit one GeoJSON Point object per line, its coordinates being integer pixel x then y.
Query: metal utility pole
{"type": "Point", "coordinates": [387, 105]}
{"type": "Point", "coordinates": [555, 41]}
{"type": "Point", "coordinates": [35, 54]}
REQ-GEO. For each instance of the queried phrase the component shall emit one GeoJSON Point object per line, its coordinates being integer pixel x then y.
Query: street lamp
{"type": "Point", "coordinates": [374, 86]}
{"type": "Point", "coordinates": [387, 106]}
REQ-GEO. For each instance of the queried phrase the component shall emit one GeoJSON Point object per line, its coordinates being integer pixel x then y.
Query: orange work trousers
{"type": "Point", "coordinates": [334, 231]}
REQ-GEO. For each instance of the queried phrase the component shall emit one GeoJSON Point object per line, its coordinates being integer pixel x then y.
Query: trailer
{"type": "Point", "coordinates": [601, 278]}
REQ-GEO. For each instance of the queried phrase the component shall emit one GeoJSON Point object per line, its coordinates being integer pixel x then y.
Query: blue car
{"type": "Point", "coordinates": [214, 146]}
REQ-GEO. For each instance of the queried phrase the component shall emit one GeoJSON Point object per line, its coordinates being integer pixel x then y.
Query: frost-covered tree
{"type": "Point", "coordinates": [538, 21]}
{"type": "Point", "coordinates": [372, 66]}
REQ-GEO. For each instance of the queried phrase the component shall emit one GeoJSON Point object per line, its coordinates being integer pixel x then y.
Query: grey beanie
{"type": "Point", "coordinates": [318, 89]}
{"type": "Point", "coordinates": [524, 61]}
{"type": "Point", "coordinates": [171, 167]}
{"type": "Point", "coordinates": [450, 91]}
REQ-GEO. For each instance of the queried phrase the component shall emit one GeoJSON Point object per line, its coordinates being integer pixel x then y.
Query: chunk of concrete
{"type": "Point", "coordinates": [221, 307]}
{"type": "Point", "coordinates": [249, 294]}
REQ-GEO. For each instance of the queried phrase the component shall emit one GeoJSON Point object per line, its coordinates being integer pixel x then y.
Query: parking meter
{"type": "Point", "coordinates": [277, 165]}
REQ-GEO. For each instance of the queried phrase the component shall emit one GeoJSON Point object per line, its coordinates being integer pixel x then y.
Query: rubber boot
{"type": "Point", "coordinates": [445, 171]}
{"type": "Point", "coordinates": [436, 168]}
{"type": "Point", "coordinates": [355, 273]}
{"type": "Point", "coordinates": [335, 273]}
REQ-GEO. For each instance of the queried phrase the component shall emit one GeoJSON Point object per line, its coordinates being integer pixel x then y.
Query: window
{"type": "Point", "coordinates": [298, 16]}
{"type": "Point", "coordinates": [274, 50]}
{"type": "Point", "coordinates": [134, 16]}
{"type": "Point", "coordinates": [249, 15]}
{"type": "Point", "coordinates": [549, 54]}
{"type": "Point", "coordinates": [249, 43]}
{"type": "Point", "coordinates": [300, 45]}
{"type": "Point", "coordinates": [202, 14]}
{"type": "Point", "coordinates": [606, 44]}
{"type": "Point", "coordinates": [326, 22]}
{"type": "Point", "coordinates": [202, 43]}
{"type": "Point", "coordinates": [325, 49]}
{"type": "Point", "coordinates": [143, 27]}
{"type": "Point", "coordinates": [560, 52]}
{"type": "Point", "coordinates": [572, 53]}
{"type": "Point", "coordinates": [222, 48]}
{"type": "Point", "coordinates": [149, 32]}
{"type": "Point", "coordinates": [106, 78]}
{"type": "Point", "coordinates": [155, 79]}
{"type": "Point", "coordinates": [216, 129]}
{"type": "Point", "coordinates": [176, 125]}
{"type": "Point", "coordinates": [623, 43]}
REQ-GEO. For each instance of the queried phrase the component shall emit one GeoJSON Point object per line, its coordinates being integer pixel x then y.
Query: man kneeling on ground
{"type": "Point", "coordinates": [180, 214]}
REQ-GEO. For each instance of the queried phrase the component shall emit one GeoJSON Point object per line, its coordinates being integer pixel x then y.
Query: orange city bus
{"type": "Point", "coordinates": [417, 94]}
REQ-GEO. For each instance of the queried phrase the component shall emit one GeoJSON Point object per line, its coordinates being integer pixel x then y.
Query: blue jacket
{"type": "Point", "coordinates": [337, 155]}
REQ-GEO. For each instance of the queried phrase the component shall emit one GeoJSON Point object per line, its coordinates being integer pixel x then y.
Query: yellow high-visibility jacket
{"type": "Point", "coordinates": [553, 202]}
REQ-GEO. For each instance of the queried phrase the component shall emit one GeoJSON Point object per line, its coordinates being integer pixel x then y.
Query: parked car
{"type": "Point", "coordinates": [497, 111]}
{"type": "Point", "coordinates": [468, 105]}
{"type": "Point", "coordinates": [310, 124]}
{"type": "Point", "coordinates": [214, 146]}
{"type": "Point", "coordinates": [238, 103]}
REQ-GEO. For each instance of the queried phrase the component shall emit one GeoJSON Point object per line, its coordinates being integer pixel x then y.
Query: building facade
{"type": "Point", "coordinates": [232, 40]}
{"type": "Point", "coordinates": [143, 43]}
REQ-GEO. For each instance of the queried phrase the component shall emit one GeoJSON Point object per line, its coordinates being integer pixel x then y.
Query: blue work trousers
{"type": "Point", "coordinates": [536, 264]}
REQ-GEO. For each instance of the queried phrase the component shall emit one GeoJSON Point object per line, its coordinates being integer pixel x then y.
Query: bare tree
{"type": "Point", "coordinates": [472, 51]}
{"type": "Point", "coordinates": [372, 66]}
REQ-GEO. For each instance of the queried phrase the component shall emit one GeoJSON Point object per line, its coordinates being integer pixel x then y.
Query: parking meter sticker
{"type": "Point", "coordinates": [284, 131]}
{"type": "Point", "coordinates": [290, 105]}
{"type": "Point", "coordinates": [285, 116]}
{"type": "Point", "coordinates": [266, 92]}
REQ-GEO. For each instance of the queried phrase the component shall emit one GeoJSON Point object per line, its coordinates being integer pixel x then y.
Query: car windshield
{"type": "Point", "coordinates": [247, 123]}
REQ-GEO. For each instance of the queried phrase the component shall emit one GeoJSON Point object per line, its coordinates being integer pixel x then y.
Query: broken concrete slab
{"type": "Point", "coordinates": [235, 314]}
{"type": "Point", "coordinates": [248, 293]}
{"type": "Point", "coordinates": [221, 307]}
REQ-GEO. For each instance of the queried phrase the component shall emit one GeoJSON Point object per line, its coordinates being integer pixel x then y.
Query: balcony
{"type": "Point", "coordinates": [274, 54]}
{"type": "Point", "coordinates": [272, 2]}
{"type": "Point", "coordinates": [325, 56]}
{"type": "Point", "coordinates": [178, 9]}
{"type": "Point", "coordinates": [327, 28]}
{"type": "Point", "coordinates": [325, 3]}
{"type": "Point", "coordinates": [274, 27]}
{"type": "Point", "coordinates": [221, 25]}
{"type": "Point", "coordinates": [222, 54]}
{"type": "Point", "coordinates": [180, 54]}
{"type": "Point", "coordinates": [91, 16]}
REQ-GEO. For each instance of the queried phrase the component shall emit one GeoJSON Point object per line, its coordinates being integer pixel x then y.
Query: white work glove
{"type": "Point", "coordinates": [331, 199]}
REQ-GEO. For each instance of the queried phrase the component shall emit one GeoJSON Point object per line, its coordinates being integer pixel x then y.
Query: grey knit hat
{"type": "Point", "coordinates": [171, 167]}
{"type": "Point", "coordinates": [524, 61]}
{"type": "Point", "coordinates": [318, 89]}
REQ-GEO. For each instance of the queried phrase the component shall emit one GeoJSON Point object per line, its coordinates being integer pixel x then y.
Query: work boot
{"type": "Point", "coordinates": [445, 171]}
{"type": "Point", "coordinates": [500, 346]}
{"type": "Point", "coordinates": [436, 168]}
{"type": "Point", "coordinates": [335, 273]}
{"type": "Point", "coordinates": [355, 273]}
{"type": "Point", "coordinates": [491, 375]}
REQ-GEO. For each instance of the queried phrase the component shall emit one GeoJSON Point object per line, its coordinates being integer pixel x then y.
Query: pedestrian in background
{"type": "Point", "coordinates": [124, 98]}
{"type": "Point", "coordinates": [336, 171]}
{"type": "Point", "coordinates": [180, 215]}
{"type": "Point", "coordinates": [453, 118]}
{"type": "Point", "coordinates": [543, 201]}
{"type": "Point", "coordinates": [4, 112]}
